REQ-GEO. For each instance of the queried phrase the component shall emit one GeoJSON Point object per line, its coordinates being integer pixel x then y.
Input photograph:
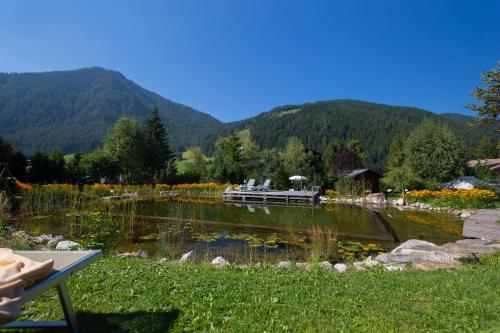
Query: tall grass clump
{"type": "Point", "coordinates": [323, 245]}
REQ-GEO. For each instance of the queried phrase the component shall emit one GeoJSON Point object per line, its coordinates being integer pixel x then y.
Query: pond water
{"type": "Point", "coordinates": [239, 231]}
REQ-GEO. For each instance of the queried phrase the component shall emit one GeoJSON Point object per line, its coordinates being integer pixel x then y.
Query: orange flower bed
{"type": "Point", "coordinates": [474, 198]}
{"type": "Point", "coordinates": [447, 193]}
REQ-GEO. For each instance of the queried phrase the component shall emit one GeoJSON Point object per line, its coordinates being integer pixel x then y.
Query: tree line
{"type": "Point", "coordinates": [132, 153]}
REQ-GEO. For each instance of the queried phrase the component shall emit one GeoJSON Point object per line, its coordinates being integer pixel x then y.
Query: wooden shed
{"type": "Point", "coordinates": [370, 177]}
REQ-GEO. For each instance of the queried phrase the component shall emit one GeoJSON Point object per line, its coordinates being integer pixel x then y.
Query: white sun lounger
{"type": "Point", "coordinates": [66, 263]}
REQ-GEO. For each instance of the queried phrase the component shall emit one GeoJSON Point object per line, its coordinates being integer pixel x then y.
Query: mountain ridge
{"type": "Point", "coordinates": [73, 110]}
{"type": "Point", "coordinates": [95, 94]}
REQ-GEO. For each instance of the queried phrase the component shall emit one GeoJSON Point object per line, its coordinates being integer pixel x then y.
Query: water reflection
{"type": "Point", "coordinates": [211, 227]}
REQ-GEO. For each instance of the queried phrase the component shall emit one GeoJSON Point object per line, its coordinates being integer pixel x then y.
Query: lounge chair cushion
{"type": "Point", "coordinates": [17, 273]}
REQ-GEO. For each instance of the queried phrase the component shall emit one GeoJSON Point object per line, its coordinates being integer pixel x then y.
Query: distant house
{"type": "Point", "coordinates": [492, 163]}
{"type": "Point", "coordinates": [370, 177]}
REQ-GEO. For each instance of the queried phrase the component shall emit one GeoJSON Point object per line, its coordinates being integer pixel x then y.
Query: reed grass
{"type": "Point", "coordinates": [323, 245]}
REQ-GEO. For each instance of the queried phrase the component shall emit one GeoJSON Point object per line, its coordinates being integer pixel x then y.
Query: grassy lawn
{"type": "Point", "coordinates": [145, 296]}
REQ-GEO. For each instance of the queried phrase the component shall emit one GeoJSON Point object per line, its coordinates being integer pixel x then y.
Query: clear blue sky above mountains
{"type": "Point", "coordinates": [234, 59]}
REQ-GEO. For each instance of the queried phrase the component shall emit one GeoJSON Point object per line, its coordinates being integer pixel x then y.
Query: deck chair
{"type": "Point", "coordinates": [250, 186]}
{"type": "Point", "coordinates": [66, 263]}
{"type": "Point", "coordinates": [265, 186]}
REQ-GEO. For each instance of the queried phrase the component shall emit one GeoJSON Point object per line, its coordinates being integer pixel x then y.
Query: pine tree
{"type": "Point", "coordinates": [489, 112]}
{"type": "Point", "coordinates": [157, 150]}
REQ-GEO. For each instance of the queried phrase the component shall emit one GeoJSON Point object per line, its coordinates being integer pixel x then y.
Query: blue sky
{"type": "Point", "coordinates": [234, 59]}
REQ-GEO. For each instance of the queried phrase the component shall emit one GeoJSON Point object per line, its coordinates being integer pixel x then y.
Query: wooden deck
{"type": "Point", "coordinates": [483, 223]}
{"type": "Point", "coordinates": [271, 196]}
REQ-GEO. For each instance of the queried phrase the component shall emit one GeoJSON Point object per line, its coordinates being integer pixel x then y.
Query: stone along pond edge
{"type": "Point", "coordinates": [413, 254]}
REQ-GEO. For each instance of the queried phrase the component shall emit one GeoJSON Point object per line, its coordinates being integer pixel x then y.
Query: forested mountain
{"type": "Point", "coordinates": [374, 125]}
{"type": "Point", "coordinates": [73, 110]}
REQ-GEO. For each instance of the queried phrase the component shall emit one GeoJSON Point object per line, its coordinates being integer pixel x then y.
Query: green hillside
{"type": "Point", "coordinates": [73, 110]}
{"type": "Point", "coordinates": [375, 125]}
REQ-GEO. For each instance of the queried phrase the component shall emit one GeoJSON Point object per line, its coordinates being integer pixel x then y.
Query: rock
{"type": "Point", "coordinates": [187, 257]}
{"type": "Point", "coordinates": [142, 254]}
{"type": "Point", "coordinates": [244, 266]}
{"type": "Point", "coordinates": [376, 198]}
{"type": "Point", "coordinates": [20, 234]}
{"type": "Point", "coordinates": [303, 265]}
{"type": "Point", "coordinates": [163, 260]}
{"type": "Point", "coordinates": [66, 245]}
{"type": "Point", "coordinates": [284, 264]}
{"type": "Point", "coordinates": [341, 268]}
{"type": "Point", "coordinates": [358, 265]}
{"type": "Point", "coordinates": [465, 214]}
{"type": "Point", "coordinates": [326, 265]}
{"type": "Point", "coordinates": [416, 244]}
{"type": "Point", "coordinates": [473, 241]}
{"type": "Point", "coordinates": [126, 255]}
{"type": "Point", "coordinates": [409, 255]}
{"type": "Point", "coordinates": [458, 250]}
{"type": "Point", "coordinates": [220, 262]}
{"type": "Point", "coordinates": [370, 263]}
{"type": "Point", "coordinates": [478, 246]}
{"type": "Point", "coordinates": [428, 256]}
{"type": "Point", "coordinates": [55, 240]}
{"type": "Point", "coordinates": [42, 239]}
{"type": "Point", "coordinates": [388, 258]}
{"type": "Point", "coordinates": [393, 268]}
{"type": "Point", "coordinates": [400, 202]}
{"type": "Point", "coordinates": [427, 265]}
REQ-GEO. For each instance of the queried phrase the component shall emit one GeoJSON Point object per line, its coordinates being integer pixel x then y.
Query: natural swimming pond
{"type": "Point", "coordinates": [238, 231]}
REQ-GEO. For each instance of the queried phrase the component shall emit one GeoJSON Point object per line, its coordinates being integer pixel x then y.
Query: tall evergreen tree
{"type": "Point", "coordinates": [396, 156]}
{"type": "Point", "coordinates": [487, 148]}
{"type": "Point", "coordinates": [13, 157]}
{"type": "Point", "coordinates": [489, 112]}
{"type": "Point", "coordinates": [157, 150]}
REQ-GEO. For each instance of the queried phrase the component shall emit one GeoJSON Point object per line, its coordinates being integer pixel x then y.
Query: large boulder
{"type": "Point", "coordinates": [416, 244]}
{"type": "Point", "coordinates": [415, 250]}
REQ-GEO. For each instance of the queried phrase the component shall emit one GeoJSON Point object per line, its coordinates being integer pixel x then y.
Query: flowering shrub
{"type": "Point", "coordinates": [107, 189]}
{"type": "Point", "coordinates": [331, 193]}
{"type": "Point", "coordinates": [475, 198]}
{"type": "Point", "coordinates": [200, 187]}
